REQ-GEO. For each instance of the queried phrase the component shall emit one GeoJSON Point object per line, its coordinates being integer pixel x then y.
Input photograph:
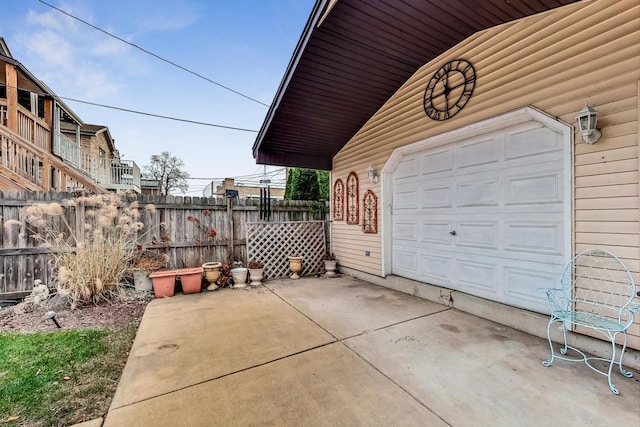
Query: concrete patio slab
{"type": "Point", "coordinates": [348, 306]}
{"type": "Point", "coordinates": [189, 339]}
{"type": "Point", "coordinates": [471, 371]}
{"type": "Point", "coordinates": [328, 386]}
{"type": "Point", "coordinates": [250, 358]}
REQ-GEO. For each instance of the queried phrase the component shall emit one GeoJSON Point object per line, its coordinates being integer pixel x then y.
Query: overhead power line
{"type": "Point", "coordinates": [158, 115]}
{"type": "Point", "coordinates": [143, 112]}
{"type": "Point", "coordinates": [154, 55]}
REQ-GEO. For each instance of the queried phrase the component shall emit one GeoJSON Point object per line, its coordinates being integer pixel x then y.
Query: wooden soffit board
{"type": "Point", "coordinates": [353, 55]}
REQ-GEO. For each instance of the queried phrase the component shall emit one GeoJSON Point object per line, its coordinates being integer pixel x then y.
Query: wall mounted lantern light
{"type": "Point", "coordinates": [587, 120]}
{"type": "Point", "coordinates": [371, 172]}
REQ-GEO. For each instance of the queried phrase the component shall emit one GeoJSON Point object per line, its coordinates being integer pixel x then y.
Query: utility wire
{"type": "Point", "coordinates": [141, 112]}
{"type": "Point", "coordinates": [158, 115]}
{"type": "Point", "coordinates": [153, 54]}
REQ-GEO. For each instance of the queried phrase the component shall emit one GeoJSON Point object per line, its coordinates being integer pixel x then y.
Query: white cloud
{"type": "Point", "coordinates": [162, 21]}
{"type": "Point", "coordinates": [109, 47]}
{"type": "Point", "coordinates": [52, 20]}
{"type": "Point", "coordinates": [75, 60]}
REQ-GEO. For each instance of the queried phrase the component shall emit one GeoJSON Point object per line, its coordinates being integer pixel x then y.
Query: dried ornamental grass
{"type": "Point", "coordinates": [91, 259]}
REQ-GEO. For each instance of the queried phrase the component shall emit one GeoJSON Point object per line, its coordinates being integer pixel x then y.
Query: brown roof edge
{"type": "Point", "coordinates": [316, 14]}
{"type": "Point", "coordinates": [300, 160]}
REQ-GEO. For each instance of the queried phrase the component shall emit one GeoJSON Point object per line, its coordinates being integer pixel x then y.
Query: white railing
{"type": "Point", "coordinates": [125, 175]}
{"type": "Point", "coordinates": [112, 174]}
{"type": "Point", "coordinates": [68, 149]}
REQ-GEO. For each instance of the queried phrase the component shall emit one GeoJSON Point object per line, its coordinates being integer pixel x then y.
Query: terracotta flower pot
{"type": "Point", "coordinates": [191, 279]}
{"type": "Point", "coordinates": [164, 282]}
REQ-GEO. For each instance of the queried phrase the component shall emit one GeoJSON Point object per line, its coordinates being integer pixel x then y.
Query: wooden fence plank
{"type": "Point", "coordinates": [22, 260]}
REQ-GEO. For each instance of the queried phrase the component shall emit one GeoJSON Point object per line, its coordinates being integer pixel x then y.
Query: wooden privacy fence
{"type": "Point", "coordinates": [179, 227]}
{"type": "Point", "coordinates": [273, 242]}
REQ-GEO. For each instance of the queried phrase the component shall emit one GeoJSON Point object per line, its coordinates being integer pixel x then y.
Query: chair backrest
{"type": "Point", "coordinates": [598, 282]}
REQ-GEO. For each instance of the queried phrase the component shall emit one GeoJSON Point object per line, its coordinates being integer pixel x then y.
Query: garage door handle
{"type": "Point", "coordinates": [453, 233]}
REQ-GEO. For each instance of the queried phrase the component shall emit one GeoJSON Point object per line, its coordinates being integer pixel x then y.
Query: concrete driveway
{"type": "Point", "coordinates": [343, 352]}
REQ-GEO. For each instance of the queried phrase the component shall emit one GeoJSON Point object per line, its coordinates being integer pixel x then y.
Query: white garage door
{"type": "Point", "coordinates": [485, 216]}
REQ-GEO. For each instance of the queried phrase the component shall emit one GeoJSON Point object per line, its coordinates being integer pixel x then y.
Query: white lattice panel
{"type": "Point", "coordinates": [273, 243]}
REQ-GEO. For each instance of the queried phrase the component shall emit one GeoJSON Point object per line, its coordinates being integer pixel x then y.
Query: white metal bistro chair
{"type": "Point", "coordinates": [596, 292]}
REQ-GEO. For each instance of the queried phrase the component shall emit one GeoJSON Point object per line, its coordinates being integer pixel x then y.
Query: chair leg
{"type": "Point", "coordinates": [627, 374]}
{"type": "Point", "coordinates": [613, 361]}
{"type": "Point", "coordinates": [549, 361]}
{"type": "Point", "coordinates": [564, 349]}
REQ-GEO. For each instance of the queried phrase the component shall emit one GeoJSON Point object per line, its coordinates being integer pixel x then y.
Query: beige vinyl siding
{"type": "Point", "coordinates": [556, 61]}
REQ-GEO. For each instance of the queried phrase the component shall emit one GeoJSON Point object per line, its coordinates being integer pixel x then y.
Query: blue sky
{"type": "Point", "coordinates": [244, 44]}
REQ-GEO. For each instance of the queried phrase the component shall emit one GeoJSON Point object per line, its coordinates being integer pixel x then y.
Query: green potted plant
{"type": "Point", "coordinates": [256, 272]}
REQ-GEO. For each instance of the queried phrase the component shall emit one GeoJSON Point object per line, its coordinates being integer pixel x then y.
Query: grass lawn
{"type": "Point", "coordinates": [62, 377]}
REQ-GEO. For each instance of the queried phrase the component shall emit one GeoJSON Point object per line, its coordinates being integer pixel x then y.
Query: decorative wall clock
{"type": "Point", "coordinates": [449, 89]}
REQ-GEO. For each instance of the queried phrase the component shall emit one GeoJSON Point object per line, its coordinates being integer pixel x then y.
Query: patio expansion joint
{"type": "Point", "coordinates": [415, 398]}
{"type": "Point", "coordinates": [342, 342]}
{"type": "Point", "coordinates": [365, 332]}
{"type": "Point", "coordinates": [228, 374]}
{"type": "Point", "coordinates": [368, 331]}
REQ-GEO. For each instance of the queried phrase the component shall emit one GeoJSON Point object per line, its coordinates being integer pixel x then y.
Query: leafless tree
{"type": "Point", "coordinates": [169, 170]}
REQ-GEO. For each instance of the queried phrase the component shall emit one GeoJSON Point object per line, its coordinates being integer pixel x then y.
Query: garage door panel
{"type": "Point", "coordinates": [406, 261]}
{"type": "Point", "coordinates": [405, 231]}
{"type": "Point", "coordinates": [436, 232]}
{"type": "Point", "coordinates": [480, 192]}
{"type": "Point", "coordinates": [405, 199]}
{"type": "Point", "coordinates": [532, 142]}
{"type": "Point", "coordinates": [534, 188]}
{"type": "Point", "coordinates": [408, 168]}
{"type": "Point", "coordinates": [437, 197]}
{"type": "Point", "coordinates": [437, 163]}
{"type": "Point", "coordinates": [477, 234]}
{"type": "Point", "coordinates": [436, 268]}
{"type": "Point", "coordinates": [541, 238]}
{"type": "Point", "coordinates": [477, 153]}
{"type": "Point", "coordinates": [479, 273]}
{"type": "Point", "coordinates": [523, 284]}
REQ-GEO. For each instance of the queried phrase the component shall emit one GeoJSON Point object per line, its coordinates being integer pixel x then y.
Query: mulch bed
{"type": "Point", "coordinates": [106, 314]}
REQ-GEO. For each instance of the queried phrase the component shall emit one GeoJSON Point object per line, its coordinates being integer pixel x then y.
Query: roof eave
{"type": "Point", "coordinates": [316, 15]}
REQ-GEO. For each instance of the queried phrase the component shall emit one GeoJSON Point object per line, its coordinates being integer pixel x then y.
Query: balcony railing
{"type": "Point", "coordinates": [112, 174]}
{"type": "Point", "coordinates": [34, 129]}
{"type": "Point", "coordinates": [68, 149]}
{"type": "Point", "coordinates": [34, 169]}
{"type": "Point", "coordinates": [18, 156]}
{"type": "Point", "coordinates": [125, 174]}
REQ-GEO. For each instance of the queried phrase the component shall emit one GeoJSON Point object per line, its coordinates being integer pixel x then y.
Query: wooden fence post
{"type": "Point", "coordinates": [230, 218]}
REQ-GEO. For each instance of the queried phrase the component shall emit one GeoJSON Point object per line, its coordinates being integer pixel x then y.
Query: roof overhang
{"type": "Point", "coordinates": [27, 81]}
{"type": "Point", "coordinates": [352, 56]}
